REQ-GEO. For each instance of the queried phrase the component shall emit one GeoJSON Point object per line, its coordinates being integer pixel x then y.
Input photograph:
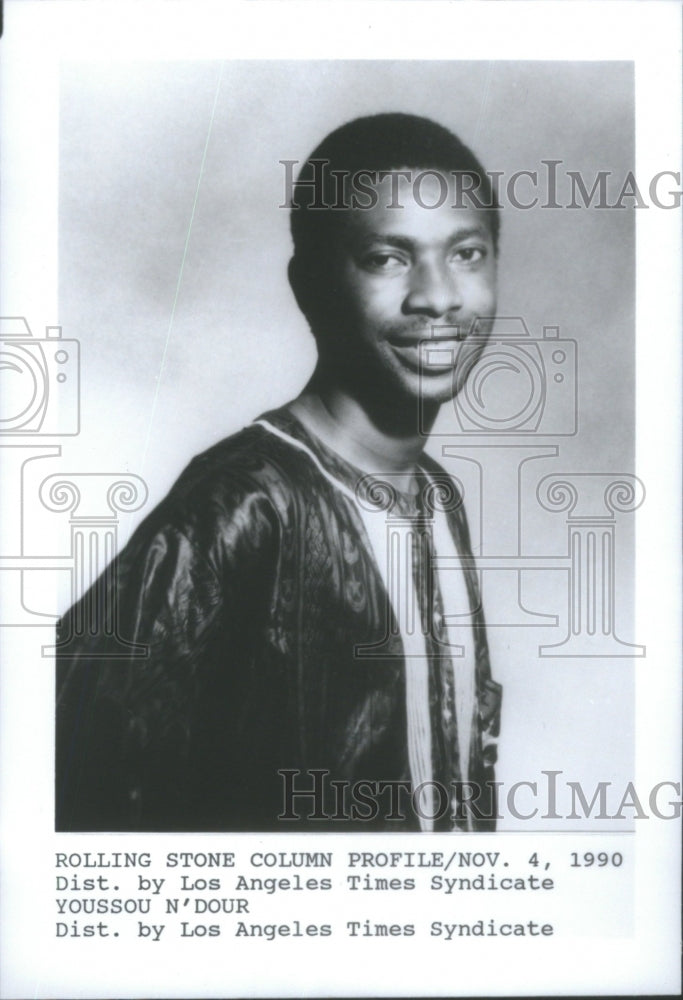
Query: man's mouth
{"type": "Point", "coordinates": [428, 353]}
{"type": "Point", "coordinates": [436, 334]}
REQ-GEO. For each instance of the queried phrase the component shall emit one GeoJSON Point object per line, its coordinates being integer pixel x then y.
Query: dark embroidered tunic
{"type": "Point", "coordinates": [270, 644]}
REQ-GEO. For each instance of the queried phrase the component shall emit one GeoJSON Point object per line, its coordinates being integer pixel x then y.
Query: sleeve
{"type": "Point", "coordinates": [141, 657]}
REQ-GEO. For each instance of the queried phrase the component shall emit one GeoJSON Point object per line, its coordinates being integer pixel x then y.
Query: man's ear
{"type": "Point", "coordinates": [300, 286]}
{"type": "Point", "coordinates": [314, 293]}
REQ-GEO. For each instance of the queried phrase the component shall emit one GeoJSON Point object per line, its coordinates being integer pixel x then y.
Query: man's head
{"type": "Point", "coordinates": [395, 231]}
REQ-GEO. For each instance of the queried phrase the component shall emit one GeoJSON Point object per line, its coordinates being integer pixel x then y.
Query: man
{"type": "Point", "coordinates": [296, 589]}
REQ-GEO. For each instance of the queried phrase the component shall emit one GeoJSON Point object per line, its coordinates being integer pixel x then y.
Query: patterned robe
{"type": "Point", "coordinates": [246, 630]}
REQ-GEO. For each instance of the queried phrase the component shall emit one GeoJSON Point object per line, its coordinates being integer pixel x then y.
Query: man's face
{"type": "Point", "coordinates": [409, 284]}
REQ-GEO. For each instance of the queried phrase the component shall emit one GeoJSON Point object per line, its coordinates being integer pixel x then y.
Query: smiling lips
{"type": "Point", "coordinates": [429, 353]}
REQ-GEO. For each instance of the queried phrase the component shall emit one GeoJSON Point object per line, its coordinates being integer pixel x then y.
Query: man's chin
{"type": "Point", "coordinates": [437, 392]}
{"type": "Point", "coordinates": [440, 386]}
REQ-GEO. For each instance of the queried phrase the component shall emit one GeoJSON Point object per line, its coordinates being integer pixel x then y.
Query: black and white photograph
{"type": "Point", "coordinates": [340, 492]}
{"type": "Point", "coordinates": [300, 630]}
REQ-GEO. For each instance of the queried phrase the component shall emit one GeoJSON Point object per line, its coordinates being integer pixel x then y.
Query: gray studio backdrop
{"type": "Point", "coordinates": [173, 255]}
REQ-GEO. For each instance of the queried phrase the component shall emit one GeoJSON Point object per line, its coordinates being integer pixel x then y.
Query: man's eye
{"type": "Point", "coordinates": [383, 262]}
{"type": "Point", "coordinates": [469, 255]}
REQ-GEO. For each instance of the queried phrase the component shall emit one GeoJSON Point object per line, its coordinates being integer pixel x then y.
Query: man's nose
{"type": "Point", "coordinates": [434, 290]}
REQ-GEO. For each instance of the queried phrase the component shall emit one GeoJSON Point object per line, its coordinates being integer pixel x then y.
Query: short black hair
{"type": "Point", "coordinates": [382, 142]}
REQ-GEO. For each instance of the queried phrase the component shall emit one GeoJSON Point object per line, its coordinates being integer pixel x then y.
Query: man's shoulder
{"type": "Point", "coordinates": [254, 461]}
{"type": "Point", "coordinates": [237, 493]}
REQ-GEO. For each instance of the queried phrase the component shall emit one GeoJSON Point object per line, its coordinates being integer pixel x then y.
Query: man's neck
{"type": "Point", "coordinates": [360, 433]}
